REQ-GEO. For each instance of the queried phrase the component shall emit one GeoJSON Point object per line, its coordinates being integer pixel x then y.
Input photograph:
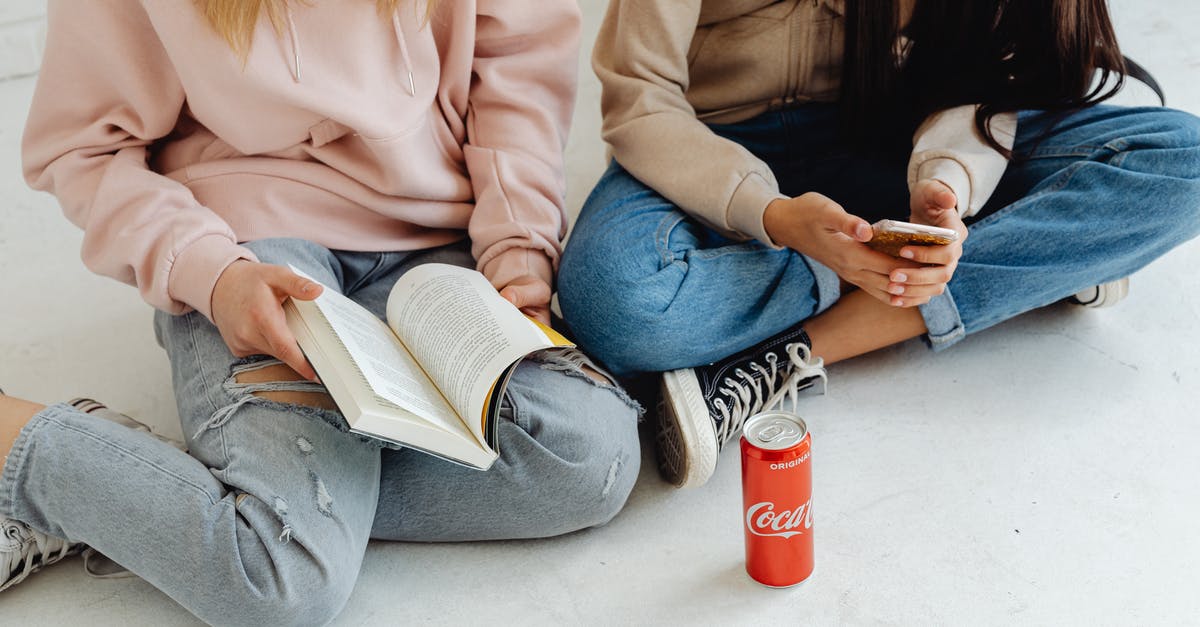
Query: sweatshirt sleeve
{"type": "Point", "coordinates": [947, 147]}
{"type": "Point", "coordinates": [641, 60]}
{"type": "Point", "coordinates": [519, 111]}
{"type": "Point", "coordinates": [105, 94]}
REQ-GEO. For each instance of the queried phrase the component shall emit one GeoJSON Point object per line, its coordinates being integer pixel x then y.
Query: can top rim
{"type": "Point", "coordinates": [774, 430]}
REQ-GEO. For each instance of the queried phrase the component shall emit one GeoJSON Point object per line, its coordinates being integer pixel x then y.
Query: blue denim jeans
{"type": "Point", "coordinates": [646, 288]}
{"type": "Point", "coordinates": [266, 518]}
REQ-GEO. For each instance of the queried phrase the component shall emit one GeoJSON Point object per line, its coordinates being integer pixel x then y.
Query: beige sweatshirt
{"type": "Point", "coordinates": [668, 67]}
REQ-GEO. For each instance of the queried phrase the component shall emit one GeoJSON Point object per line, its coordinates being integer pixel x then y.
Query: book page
{"type": "Point", "coordinates": [364, 410]}
{"type": "Point", "coordinates": [462, 331]}
{"type": "Point", "coordinates": [389, 369]}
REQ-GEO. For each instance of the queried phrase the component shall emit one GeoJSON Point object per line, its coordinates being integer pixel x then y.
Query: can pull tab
{"type": "Point", "coordinates": [777, 431]}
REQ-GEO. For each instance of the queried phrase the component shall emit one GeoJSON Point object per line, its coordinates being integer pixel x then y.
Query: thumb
{"type": "Point", "coordinates": [533, 294]}
{"type": "Point", "coordinates": [855, 227]}
{"type": "Point", "coordinates": [513, 295]}
{"type": "Point", "coordinates": [939, 195]}
{"type": "Point", "coordinates": [943, 197]}
{"type": "Point", "coordinates": [291, 284]}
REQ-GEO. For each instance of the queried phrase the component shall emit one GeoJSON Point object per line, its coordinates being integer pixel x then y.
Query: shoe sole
{"type": "Point", "coordinates": [687, 444]}
{"type": "Point", "coordinates": [1107, 294]}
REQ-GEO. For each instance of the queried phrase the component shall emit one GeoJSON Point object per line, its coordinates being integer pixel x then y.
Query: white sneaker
{"type": "Point", "coordinates": [24, 550]}
{"type": "Point", "coordinates": [100, 410]}
{"type": "Point", "coordinates": [1103, 295]}
{"type": "Point", "coordinates": [703, 408]}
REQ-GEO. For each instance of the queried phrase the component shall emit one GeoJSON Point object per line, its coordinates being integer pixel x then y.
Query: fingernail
{"type": "Point", "coordinates": [907, 254]}
{"type": "Point", "coordinates": [308, 287]}
{"type": "Point", "coordinates": [900, 277]}
{"type": "Point", "coordinates": [896, 289]}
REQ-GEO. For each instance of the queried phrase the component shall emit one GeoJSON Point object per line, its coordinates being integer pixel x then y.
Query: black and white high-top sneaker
{"type": "Point", "coordinates": [704, 407]}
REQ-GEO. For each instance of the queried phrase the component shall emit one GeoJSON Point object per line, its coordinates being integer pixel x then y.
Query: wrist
{"type": "Point", "coordinates": [779, 220]}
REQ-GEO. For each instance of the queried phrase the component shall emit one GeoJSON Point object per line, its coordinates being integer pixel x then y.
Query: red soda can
{"type": "Point", "coordinates": [777, 498]}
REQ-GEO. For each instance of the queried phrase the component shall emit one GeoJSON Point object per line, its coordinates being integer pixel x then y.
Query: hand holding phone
{"type": "Point", "coordinates": [889, 236]}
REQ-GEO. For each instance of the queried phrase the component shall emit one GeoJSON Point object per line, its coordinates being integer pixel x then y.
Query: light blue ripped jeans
{"type": "Point", "coordinates": [266, 518]}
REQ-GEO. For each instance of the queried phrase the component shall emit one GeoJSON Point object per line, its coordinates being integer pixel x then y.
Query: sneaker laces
{"type": "Point", "coordinates": [24, 550]}
{"type": "Point", "coordinates": [749, 394]}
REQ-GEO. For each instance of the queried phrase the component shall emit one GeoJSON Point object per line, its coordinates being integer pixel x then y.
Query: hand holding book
{"type": "Point", "coordinates": [432, 376]}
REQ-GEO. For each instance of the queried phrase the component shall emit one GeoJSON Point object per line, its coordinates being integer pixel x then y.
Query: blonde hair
{"type": "Point", "coordinates": [235, 20]}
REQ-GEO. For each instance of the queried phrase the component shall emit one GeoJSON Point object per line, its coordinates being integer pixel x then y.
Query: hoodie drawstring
{"type": "Point", "coordinates": [412, 87]}
{"type": "Point", "coordinates": [294, 49]}
{"type": "Point", "coordinates": [294, 43]}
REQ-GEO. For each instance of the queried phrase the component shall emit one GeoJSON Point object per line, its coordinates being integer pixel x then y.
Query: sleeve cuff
{"type": "Point", "coordinates": [748, 205]}
{"type": "Point", "coordinates": [197, 267]}
{"type": "Point", "coordinates": [517, 262]}
{"type": "Point", "coordinates": [950, 172]}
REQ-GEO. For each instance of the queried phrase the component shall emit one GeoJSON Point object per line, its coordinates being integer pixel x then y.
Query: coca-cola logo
{"type": "Point", "coordinates": [763, 520]}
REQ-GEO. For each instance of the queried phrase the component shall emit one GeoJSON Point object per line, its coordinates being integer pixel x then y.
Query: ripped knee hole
{"type": "Point", "coordinates": [280, 373]}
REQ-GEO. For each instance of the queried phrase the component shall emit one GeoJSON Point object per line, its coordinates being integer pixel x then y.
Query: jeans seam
{"type": "Point", "coordinates": [663, 234]}
{"type": "Point", "coordinates": [202, 372]}
{"type": "Point", "coordinates": [1075, 152]}
{"type": "Point", "coordinates": [200, 369]}
{"type": "Point", "coordinates": [733, 249]}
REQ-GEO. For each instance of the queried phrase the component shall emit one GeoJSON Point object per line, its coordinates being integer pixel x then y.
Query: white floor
{"type": "Point", "coordinates": [1042, 472]}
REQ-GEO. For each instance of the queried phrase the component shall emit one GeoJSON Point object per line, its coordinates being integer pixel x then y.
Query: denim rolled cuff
{"type": "Point", "coordinates": [828, 284]}
{"type": "Point", "coordinates": [943, 323]}
{"type": "Point", "coordinates": [15, 463]}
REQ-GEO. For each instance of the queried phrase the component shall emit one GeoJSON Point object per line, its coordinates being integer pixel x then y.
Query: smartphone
{"type": "Point", "coordinates": [889, 236]}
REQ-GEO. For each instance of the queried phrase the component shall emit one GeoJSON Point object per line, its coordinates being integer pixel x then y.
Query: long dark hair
{"type": "Point", "coordinates": [1003, 55]}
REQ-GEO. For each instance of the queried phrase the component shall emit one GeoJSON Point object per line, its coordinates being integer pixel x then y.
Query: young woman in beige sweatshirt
{"type": "Point", "coordinates": [755, 141]}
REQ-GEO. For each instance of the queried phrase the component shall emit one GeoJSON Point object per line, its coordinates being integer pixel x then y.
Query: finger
{"type": "Point", "coordinates": [288, 283]}
{"type": "Point", "coordinates": [837, 220]}
{"type": "Point", "coordinates": [910, 292]}
{"type": "Point", "coordinates": [541, 314]}
{"type": "Point", "coordinates": [866, 279]}
{"type": "Point", "coordinates": [283, 347]}
{"type": "Point", "coordinates": [877, 293]}
{"type": "Point", "coordinates": [535, 294]}
{"type": "Point", "coordinates": [931, 275]}
{"type": "Point", "coordinates": [934, 194]}
{"type": "Point", "coordinates": [879, 263]}
{"type": "Point", "coordinates": [511, 295]}
{"type": "Point", "coordinates": [943, 198]}
{"type": "Point", "coordinates": [854, 227]}
{"type": "Point", "coordinates": [940, 255]}
{"type": "Point", "coordinates": [906, 303]}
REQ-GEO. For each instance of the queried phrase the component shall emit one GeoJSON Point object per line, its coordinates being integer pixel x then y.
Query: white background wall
{"type": "Point", "coordinates": [22, 33]}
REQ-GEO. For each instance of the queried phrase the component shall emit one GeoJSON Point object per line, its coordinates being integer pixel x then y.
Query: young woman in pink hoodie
{"type": "Point", "coordinates": [204, 146]}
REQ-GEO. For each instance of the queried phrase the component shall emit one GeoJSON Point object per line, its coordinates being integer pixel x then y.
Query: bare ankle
{"type": "Point", "coordinates": [15, 413]}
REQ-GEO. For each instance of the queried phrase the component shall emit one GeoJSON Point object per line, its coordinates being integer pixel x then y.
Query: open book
{"type": "Point", "coordinates": [431, 377]}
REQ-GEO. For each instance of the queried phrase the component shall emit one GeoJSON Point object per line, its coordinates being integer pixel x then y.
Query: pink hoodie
{"type": "Point", "coordinates": [347, 129]}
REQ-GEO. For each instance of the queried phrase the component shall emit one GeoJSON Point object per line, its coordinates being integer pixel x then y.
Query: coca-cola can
{"type": "Point", "coordinates": [777, 498]}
